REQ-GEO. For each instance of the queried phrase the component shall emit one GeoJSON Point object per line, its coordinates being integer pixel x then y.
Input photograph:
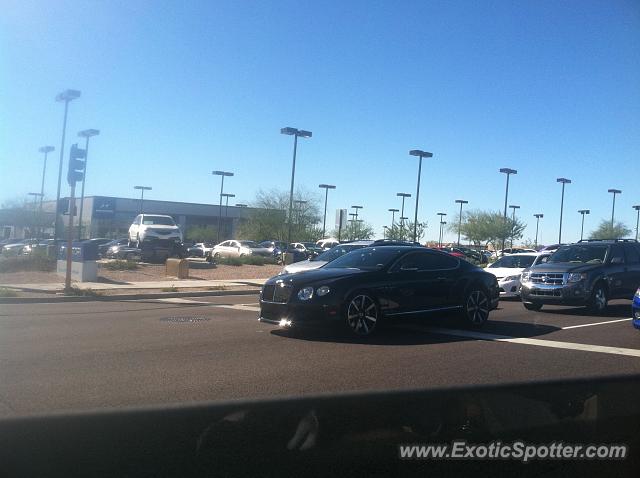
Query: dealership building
{"type": "Point", "coordinates": [106, 216]}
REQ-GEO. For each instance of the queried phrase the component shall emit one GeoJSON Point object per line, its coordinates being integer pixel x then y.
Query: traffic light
{"type": "Point", "coordinates": [76, 165]}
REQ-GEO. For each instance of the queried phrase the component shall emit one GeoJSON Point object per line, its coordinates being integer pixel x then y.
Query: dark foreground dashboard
{"type": "Point", "coordinates": [354, 435]}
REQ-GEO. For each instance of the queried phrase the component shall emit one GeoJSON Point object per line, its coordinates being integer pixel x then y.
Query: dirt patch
{"type": "Point", "coordinates": [148, 272]}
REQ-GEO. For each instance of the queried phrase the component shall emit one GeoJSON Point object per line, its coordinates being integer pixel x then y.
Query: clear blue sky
{"type": "Point", "coordinates": [179, 88]}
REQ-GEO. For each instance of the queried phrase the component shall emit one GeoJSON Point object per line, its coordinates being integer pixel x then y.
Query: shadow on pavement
{"type": "Point", "coordinates": [616, 311]}
{"type": "Point", "coordinates": [404, 333]}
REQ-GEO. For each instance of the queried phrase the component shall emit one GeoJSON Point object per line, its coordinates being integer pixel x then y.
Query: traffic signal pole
{"type": "Point", "coordinates": [72, 207]}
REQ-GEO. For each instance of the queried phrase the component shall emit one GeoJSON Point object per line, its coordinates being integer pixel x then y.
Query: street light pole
{"type": "Point", "coordinates": [299, 203]}
{"type": "Point", "coordinates": [226, 206]}
{"type": "Point", "coordinates": [583, 212]}
{"type": "Point", "coordinates": [441, 214]}
{"type": "Point", "coordinates": [87, 133]}
{"type": "Point", "coordinates": [326, 188]}
{"type": "Point", "coordinates": [223, 174]}
{"type": "Point", "coordinates": [403, 196]}
{"type": "Point", "coordinates": [393, 216]}
{"type": "Point", "coordinates": [296, 133]}
{"type": "Point", "coordinates": [35, 201]}
{"type": "Point", "coordinates": [637, 208]}
{"type": "Point", "coordinates": [513, 221]}
{"type": "Point", "coordinates": [508, 172]}
{"type": "Point", "coordinates": [142, 190]}
{"type": "Point", "coordinates": [421, 154]}
{"type": "Point", "coordinates": [461, 202]}
{"type": "Point", "coordinates": [538, 217]}
{"type": "Point", "coordinates": [357, 208]}
{"type": "Point", "coordinates": [613, 208]}
{"type": "Point", "coordinates": [67, 96]}
{"type": "Point", "coordinates": [46, 150]}
{"type": "Point", "coordinates": [563, 181]}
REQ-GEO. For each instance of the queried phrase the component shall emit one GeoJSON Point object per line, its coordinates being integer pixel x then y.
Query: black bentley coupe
{"type": "Point", "coordinates": [365, 287]}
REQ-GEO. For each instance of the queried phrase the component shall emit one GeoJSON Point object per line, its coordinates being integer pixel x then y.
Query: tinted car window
{"type": "Point", "coordinates": [513, 261]}
{"type": "Point", "coordinates": [633, 253]}
{"type": "Point", "coordinates": [336, 252]}
{"type": "Point", "coordinates": [157, 221]}
{"type": "Point", "coordinates": [425, 261]}
{"type": "Point", "coordinates": [368, 258]}
{"type": "Point", "coordinates": [617, 253]}
{"type": "Point", "coordinates": [579, 253]}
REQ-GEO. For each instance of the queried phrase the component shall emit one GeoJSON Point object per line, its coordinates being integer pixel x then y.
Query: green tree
{"type": "Point", "coordinates": [268, 216]}
{"type": "Point", "coordinates": [404, 232]}
{"type": "Point", "coordinates": [605, 231]}
{"type": "Point", "coordinates": [202, 234]}
{"type": "Point", "coordinates": [490, 227]}
{"type": "Point", "coordinates": [355, 231]}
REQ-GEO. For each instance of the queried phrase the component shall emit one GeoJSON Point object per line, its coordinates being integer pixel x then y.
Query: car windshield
{"type": "Point", "coordinates": [518, 261]}
{"type": "Point", "coordinates": [309, 245]}
{"type": "Point", "coordinates": [158, 221]}
{"type": "Point", "coordinates": [368, 258]}
{"type": "Point", "coordinates": [336, 252]}
{"type": "Point", "coordinates": [267, 244]}
{"type": "Point", "coordinates": [249, 244]}
{"type": "Point", "coordinates": [577, 253]}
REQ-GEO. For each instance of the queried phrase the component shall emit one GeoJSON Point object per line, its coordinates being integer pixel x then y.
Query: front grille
{"type": "Point", "coordinates": [549, 278]}
{"type": "Point", "coordinates": [546, 292]}
{"type": "Point", "coordinates": [163, 232]}
{"type": "Point", "coordinates": [276, 293]}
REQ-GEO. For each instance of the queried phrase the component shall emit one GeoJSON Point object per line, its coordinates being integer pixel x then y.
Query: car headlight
{"type": "Point", "coordinates": [509, 278]}
{"type": "Point", "coordinates": [576, 276]}
{"type": "Point", "coordinates": [305, 293]}
{"type": "Point", "coordinates": [637, 294]}
{"type": "Point", "coordinates": [323, 290]}
{"type": "Point", "coordinates": [525, 276]}
{"type": "Point", "coordinates": [113, 249]}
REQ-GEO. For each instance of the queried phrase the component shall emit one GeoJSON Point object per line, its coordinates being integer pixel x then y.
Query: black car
{"type": "Point", "coordinates": [588, 273]}
{"type": "Point", "coordinates": [104, 248]}
{"type": "Point", "coordinates": [365, 287]}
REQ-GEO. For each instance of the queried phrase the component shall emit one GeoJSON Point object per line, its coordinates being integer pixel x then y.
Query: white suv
{"type": "Point", "coordinates": [153, 227]}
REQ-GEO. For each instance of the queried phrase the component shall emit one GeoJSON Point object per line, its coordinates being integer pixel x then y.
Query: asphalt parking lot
{"type": "Point", "coordinates": [80, 356]}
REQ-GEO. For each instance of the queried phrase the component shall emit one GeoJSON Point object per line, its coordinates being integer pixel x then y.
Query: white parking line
{"type": "Point", "coordinates": [526, 341]}
{"type": "Point", "coordinates": [179, 300]}
{"type": "Point", "coordinates": [595, 323]}
{"type": "Point", "coordinates": [247, 307]}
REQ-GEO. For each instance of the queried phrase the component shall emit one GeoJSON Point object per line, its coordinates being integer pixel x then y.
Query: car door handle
{"type": "Point", "coordinates": [441, 279]}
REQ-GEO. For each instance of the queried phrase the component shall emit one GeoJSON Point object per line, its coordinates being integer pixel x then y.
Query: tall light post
{"type": "Point", "coordinates": [357, 208]}
{"type": "Point", "coordinates": [508, 172]}
{"type": "Point", "coordinates": [403, 196]}
{"type": "Point", "coordinates": [563, 181]}
{"type": "Point", "coordinates": [637, 208]}
{"type": "Point", "coordinates": [421, 154]}
{"type": "Point", "coordinates": [87, 133]}
{"type": "Point", "coordinates": [583, 212]}
{"type": "Point", "coordinates": [46, 150]}
{"type": "Point", "coordinates": [66, 96]}
{"type": "Point", "coordinates": [35, 202]}
{"type": "Point", "coordinates": [538, 217]}
{"type": "Point", "coordinates": [393, 215]}
{"type": "Point", "coordinates": [222, 174]}
{"type": "Point", "coordinates": [613, 207]}
{"type": "Point", "coordinates": [226, 205]}
{"type": "Point", "coordinates": [299, 203]}
{"type": "Point", "coordinates": [142, 189]}
{"type": "Point", "coordinates": [295, 133]}
{"type": "Point", "coordinates": [461, 202]}
{"type": "Point", "coordinates": [326, 188]}
{"type": "Point", "coordinates": [441, 214]}
{"type": "Point", "coordinates": [513, 221]}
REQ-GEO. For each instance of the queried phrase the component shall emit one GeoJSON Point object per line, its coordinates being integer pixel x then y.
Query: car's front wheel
{"type": "Point", "coordinates": [599, 299]}
{"type": "Point", "coordinates": [476, 307]}
{"type": "Point", "coordinates": [532, 305]}
{"type": "Point", "coordinates": [362, 315]}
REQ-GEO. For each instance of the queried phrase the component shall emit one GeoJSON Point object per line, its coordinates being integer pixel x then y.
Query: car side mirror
{"type": "Point", "coordinates": [617, 260]}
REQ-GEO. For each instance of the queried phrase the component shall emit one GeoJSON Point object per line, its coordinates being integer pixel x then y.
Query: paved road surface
{"type": "Point", "coordinates": [79, 356]}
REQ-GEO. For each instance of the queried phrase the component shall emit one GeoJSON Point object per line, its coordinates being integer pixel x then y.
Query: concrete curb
{"type": "Point", "coordinates": [107, 298]}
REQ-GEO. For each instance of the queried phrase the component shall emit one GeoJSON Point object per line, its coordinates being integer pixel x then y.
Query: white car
{"type": "Point", "coordinates": [324, 258]}
{"type": "Point", "coordinates": [153, 227]}
{"type": "Point", "coordinates": [326, 244]}
{"type": "Point", "coordinates": [508, 270]}
{"type": "Point", "coordinates": [231, 249]}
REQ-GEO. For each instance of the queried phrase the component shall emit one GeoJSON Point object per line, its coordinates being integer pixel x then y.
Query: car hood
{"type": "Point", "coordinates": [564, 267]}
{"type": "Point", "coordinates": [504, 271]}
{"type": "Point", "coordinates": [315, 275]}
{"type": "Point", "coordinates": [303, 266]}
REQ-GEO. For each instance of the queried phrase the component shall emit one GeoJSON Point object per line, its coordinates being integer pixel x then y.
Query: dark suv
{"type": "Point", "coordinates": [588, 273]}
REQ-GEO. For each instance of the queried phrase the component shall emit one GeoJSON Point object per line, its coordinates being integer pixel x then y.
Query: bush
{"type": "Point", "coordinates": [74, 290]}
{"type": "Point", "coordinates": [231, 261]}
{"type": "Point", "coordinates": [34, 262]}
{"type": "Point", "coordinates": [119, 265]}
{"type": "Point", "coordinates": [254, 260]}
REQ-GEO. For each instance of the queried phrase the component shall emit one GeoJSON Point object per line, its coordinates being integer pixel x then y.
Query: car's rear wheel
{"type": "Point", "coordinates": [599, 299]}
{"type": "Point", "coordinates": [532, 305]}
{"type": "Point", "coordinates": [362, 315]}
{"type": "Point", "coordinates": [476, 307]}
